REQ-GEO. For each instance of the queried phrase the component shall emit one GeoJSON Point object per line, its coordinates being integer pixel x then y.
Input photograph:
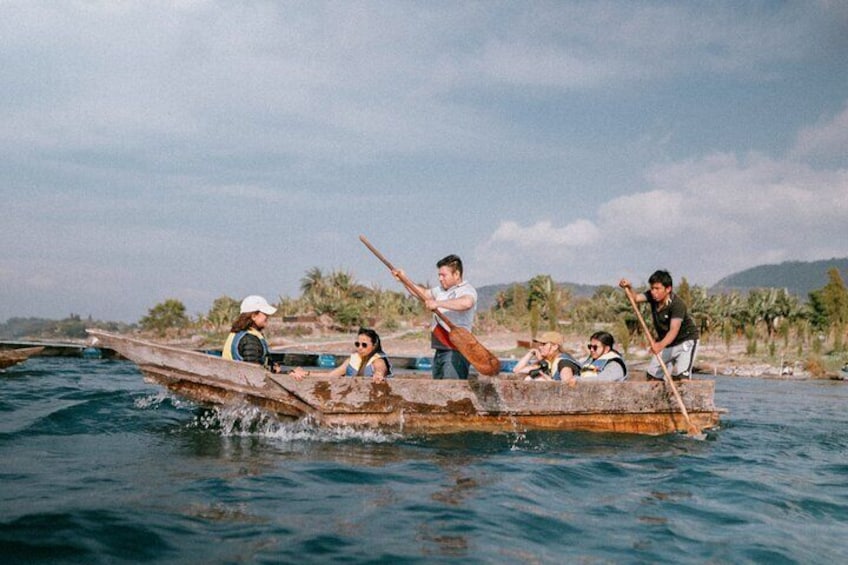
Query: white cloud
{"type": "Point", "coordinates": [143, 143]}
{"type": "Point", "coordinates": [544, 234]}
{"type": "Point", "coordinates": [707, 217]}
{"type": "Point", "coordinates": [826, 139]}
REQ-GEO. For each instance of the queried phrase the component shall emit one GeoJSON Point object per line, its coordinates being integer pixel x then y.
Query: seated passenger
{"type": "Point", "coordinates": [246, 342]}
{"type": "Point", "coordinates": [369, 360]}
{"type": "Point", "coordinates": [604, 363]}
{"type": "Point", "coordinates": [546, 361]}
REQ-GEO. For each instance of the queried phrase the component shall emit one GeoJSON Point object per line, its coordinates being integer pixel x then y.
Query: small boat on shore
{"type": "Point", "coordinates": [412, 404]}
{"type": "Point", "coordinates": [9, 357]}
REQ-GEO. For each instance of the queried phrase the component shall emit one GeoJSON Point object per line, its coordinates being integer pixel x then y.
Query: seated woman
{"type": "Point", "coordinates": [604, 363]}
{"type": "Point", "coordinates": [246, 342]}
{"type": "Point", "coordinates": [546, 361]}
{"type": "Point", "coordinates": [369, 360]}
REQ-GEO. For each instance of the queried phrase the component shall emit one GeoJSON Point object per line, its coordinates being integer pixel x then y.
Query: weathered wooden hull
{"type": "Point", "coordinates": [11, 357]}
{"type": "Point", "coordinates": [416, 405]}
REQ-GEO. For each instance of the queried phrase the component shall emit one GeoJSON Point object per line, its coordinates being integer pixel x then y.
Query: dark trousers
{"type": "Point", "coordinates": [449, 364]}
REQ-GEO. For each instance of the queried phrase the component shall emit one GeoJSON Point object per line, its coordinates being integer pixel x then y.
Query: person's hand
{"type": "Point", "coordinates": [624, 283]}
{"type": "Point", "coordinates": [379, 379]}
{"type": "Point", "coordinates": [298, 373]}
{"type": "Point", "coordinates": [431, 305]}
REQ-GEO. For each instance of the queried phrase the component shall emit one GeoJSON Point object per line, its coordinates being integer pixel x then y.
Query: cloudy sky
{"type": "Point", "coordinates": [193, 149]}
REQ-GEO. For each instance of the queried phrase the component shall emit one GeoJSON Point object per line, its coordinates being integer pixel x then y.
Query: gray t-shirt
{"type": "Point", "coordinates": [460, 318]}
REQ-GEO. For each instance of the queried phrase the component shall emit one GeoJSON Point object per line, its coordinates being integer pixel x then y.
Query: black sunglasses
{"type": "Point", "coordinates": [593, 347]}
{"type": "Point", "coordinates": [362, 344]}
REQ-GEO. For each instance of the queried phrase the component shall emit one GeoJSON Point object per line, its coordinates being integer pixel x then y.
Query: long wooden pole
{"type": "Point", "coordinates": [411, 286]}
{"type": "Point", "coordinates": [481, 358]}
{"type": "Point", "coordinates": [693, 429]}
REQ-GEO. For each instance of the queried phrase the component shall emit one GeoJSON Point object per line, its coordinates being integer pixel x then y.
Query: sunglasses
{"type": "Point", "coordinates": [361, 344]}
{"type": "Point", "coordinates": [593, 347]}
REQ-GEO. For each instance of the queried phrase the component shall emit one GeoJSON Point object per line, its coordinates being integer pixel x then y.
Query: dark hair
{"type": "Point", "coordinates": [453, 262]}
{"type": "Point", "coordinates": [374, 337]}
{"type": "Point", "coordinates": [662, 277]}
{"type": "Point", "coordinates": [605, 338]}
{"type": "Point", "coordinates": [243, 323]}
{"type": "Point", "coordinates": [378, 348]}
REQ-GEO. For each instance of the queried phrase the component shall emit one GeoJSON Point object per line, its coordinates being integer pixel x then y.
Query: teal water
{"type": "Point", "coordinates": [97, 466]}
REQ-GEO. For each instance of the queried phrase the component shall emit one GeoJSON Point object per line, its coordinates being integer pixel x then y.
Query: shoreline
{"type": "Point", "coordinates": [712, 359]}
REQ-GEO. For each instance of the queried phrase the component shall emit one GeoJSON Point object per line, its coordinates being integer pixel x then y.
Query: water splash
{"type": "Point", "coordinates": [249, 421]}
{"type": "Point", "coordinates": [156, 400]}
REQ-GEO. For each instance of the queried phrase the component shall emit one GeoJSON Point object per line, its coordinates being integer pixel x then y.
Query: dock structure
{"type": "Point", "coordinates": [63, 349]}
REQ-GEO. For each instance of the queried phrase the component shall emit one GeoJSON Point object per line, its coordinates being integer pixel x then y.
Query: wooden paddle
{"type": "Point", "coordinates": [693, 429]}
{"type": "Point", "coordinates": [480, 357]}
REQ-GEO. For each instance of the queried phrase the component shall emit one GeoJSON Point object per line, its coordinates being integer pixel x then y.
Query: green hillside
{"type": "Point", "coordinates": [798, 277]}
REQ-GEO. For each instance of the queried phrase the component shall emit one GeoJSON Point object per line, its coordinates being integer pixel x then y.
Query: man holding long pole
{"type": "Point", "coordinates": [456, 299]}
{"type": "Point", "coordinates": [677, 334]}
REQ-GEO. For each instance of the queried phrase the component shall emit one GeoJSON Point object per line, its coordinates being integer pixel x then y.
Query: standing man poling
{"type": "Point", "coordinates": [457, 300]}
{"type": "Point", "coordinates": [677, 334]}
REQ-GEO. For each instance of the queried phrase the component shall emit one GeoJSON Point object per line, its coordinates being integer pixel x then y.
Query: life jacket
{"type": "Point", "coordinates": [558, 361]}
{"type": "Point", "coordinates": [595, 366]}
{"type": "Point", "coordinates": [355, 362]}
{"type": "Point", "coordinates": [230, 349]}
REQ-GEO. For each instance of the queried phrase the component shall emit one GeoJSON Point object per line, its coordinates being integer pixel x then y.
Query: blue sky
{"type": "Point", "coordinates": [192, 149]}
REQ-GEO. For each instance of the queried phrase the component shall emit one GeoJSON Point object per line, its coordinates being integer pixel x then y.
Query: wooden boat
{"type": "Point", "coordinates": [412, 404]}
{"type": "Point", "coordinates": [9, 357]}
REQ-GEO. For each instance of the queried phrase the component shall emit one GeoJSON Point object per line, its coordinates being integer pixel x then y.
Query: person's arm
{"type": "Point", "coordinates": [458, 304]}
{"type": "Point", "coordinates": [566, 373]}
{"type": "Point", "coordinates": [340, 370]}
{"type": "Point", "coordinates": [380, 370]}
{"type": "Point", "coordinates": [637, 296]}
{"type": "Point", "coordinates": [524, 365]}
{"type": "Point", "coordinates": [415, 290]}
{"type": "Point", "coordinates": [673, 329]}
{"type": "Point", "coordinates": [298, 373]}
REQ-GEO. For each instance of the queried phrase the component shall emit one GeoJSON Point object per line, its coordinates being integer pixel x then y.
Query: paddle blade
{"type": "Point", "coordinates": [480, 357]}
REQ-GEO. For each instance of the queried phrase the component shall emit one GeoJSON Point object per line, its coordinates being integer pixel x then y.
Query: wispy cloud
{"type": "Point", "coordinates": [151, 143]}
{"type": "Point", "coordinates": [709, 217]}
{"type": "Point", "coordinates": [824, 140]}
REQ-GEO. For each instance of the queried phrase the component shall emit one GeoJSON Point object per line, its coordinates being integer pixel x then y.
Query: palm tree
{"type": "Point", "coordinates": [547, 298]}
{"type": "Point", "coordinates": [312, 284]}
{"type": "Point", "coordinates": [224, 310]}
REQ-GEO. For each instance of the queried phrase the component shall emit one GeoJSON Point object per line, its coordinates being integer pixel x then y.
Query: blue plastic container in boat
{"type": "Point", "coordinates": [91, 353]}
{"type": "Point", "coordinates": [424, 363]}
{"type": "Point", "coordinates": [326, 361]}
{"type": "Point", "coordinates": [508, 365]}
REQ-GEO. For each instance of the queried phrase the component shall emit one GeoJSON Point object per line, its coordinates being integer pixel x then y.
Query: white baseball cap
{"type": "Point", "coordinates": [255, 303]}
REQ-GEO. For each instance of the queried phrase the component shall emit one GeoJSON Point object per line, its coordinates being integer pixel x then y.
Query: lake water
{"type": "Point", "coordinates": [97, 466]}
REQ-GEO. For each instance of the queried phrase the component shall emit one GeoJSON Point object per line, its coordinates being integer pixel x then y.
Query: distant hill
{"type": "Point", "coordinates": [798, 277]}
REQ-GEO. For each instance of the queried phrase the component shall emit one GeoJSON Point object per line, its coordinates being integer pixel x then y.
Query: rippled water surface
{"type": "Point", "coordinates": [97, 466]}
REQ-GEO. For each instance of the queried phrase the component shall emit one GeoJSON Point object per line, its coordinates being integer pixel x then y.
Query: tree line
{"type": "Point", "coordinates": [769, 320]}
{"type": "Point", "coordinates": [769, 317]}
